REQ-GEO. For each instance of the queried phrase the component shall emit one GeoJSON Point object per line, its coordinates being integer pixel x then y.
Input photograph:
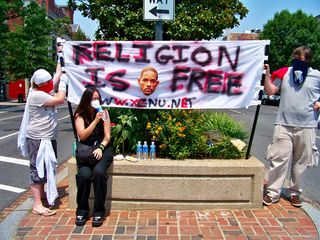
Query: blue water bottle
{"type": "Point", "coordinates": [145, 151]}
{"type": "Point", "coordinates": [152, 151]}
{"type": "Point", "coordinates": [139, 150]}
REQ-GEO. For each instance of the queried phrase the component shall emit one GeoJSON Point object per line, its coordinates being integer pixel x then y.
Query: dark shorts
{"type": "Point", "coordinates": [33, 147]}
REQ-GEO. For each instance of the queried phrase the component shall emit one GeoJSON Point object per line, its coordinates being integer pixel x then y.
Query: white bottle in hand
{"type": "Point", "coordinates": [97, 106]}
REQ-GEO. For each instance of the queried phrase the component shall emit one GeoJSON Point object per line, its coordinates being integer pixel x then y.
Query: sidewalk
{"type": "Point", "coordinates": [279, 221]}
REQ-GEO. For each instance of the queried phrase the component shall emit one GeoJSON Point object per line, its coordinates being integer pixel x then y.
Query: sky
{"type": "Point", "coordinates": [260, 11]}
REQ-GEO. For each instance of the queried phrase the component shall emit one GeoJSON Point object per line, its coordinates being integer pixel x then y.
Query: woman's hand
{"type": "Point", "coordinates": [97, 153]}
{"type": "Point", "coordinates": [99, 116]}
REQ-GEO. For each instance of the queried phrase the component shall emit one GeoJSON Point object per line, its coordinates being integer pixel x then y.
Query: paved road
{"type": "Point", "coordinates": [14, 170]}
{"type": "Point", "coordinates": [263, 137]}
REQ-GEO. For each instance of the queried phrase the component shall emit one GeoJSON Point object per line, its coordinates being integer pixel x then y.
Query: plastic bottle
{"type": "Point", "coordinates": [152, 151]}
{"type": "Point", "coordinates": [97, 106]}
{"type": "Point", "coordinates": [139, 150]}
{"type": "Point", "coordinates": [145, 151]}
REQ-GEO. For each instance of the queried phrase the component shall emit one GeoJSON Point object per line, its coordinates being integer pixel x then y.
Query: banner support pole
{"type": "Point", "coordinates": [257, 109]}
{"type": "Point", "coordinates": [69, 105]}
{"type": "Point", "coordinates": [253, 130]}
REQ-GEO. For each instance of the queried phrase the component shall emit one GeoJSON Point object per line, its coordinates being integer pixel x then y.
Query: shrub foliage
{"type": "Point", "coordinates": [178, 134]}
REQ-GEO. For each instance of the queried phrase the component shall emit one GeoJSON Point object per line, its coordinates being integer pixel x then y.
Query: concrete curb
{"type": "Point", "coordinates": [313, 213]}
{"type": "Point", "coordinates": [9, 225]}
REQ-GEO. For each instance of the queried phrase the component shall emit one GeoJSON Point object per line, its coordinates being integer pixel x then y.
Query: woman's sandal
{"type": "Point", "coordinates": [45, 212]}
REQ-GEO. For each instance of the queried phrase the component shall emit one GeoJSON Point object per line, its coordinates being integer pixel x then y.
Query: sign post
{"type": "Point", "coordinates": [158, 10]}
{"type": "Point", "coordinates": [159, 31]}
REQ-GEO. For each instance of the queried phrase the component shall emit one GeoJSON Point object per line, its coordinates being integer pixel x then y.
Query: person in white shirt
{"type": "Point", "coordinates": [38, 135]}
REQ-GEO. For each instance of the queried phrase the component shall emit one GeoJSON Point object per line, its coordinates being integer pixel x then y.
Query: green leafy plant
{"type": "Point", "coordinates": [133, 123]}
{"type": "Point", "coordinates": [225, 125]}
{"type": "Point", "coordinates": [224, 149]}
{"type": "Point", "coordinates": [178, 134]}
{"type": "Point", "coordinates": [122, 130]}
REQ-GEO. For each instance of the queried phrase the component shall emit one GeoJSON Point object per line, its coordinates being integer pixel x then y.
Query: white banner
{"type": "Point", "coordinates": [176, 74]}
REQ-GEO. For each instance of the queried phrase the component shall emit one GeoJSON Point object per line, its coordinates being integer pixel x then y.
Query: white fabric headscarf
{"type": "Point", "coordinates": [41, 76]}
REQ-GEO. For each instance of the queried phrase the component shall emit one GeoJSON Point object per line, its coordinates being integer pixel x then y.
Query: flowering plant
{"type": "Point", "coordinates": [180, 134]}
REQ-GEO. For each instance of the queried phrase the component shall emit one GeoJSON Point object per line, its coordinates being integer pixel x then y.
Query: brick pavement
{"type": "Point", "coordinates": [279, 222]}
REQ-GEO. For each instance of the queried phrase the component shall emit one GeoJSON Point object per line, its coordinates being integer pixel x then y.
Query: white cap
{"type": "Point", "coordinates": [41, 76]}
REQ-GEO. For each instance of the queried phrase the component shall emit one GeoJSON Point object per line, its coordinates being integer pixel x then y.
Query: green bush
{"type": "Point", "coordinates": [178, 134]}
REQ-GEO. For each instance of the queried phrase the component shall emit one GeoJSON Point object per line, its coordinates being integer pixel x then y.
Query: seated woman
{"type": "Point", "coordinates": [93, 129]}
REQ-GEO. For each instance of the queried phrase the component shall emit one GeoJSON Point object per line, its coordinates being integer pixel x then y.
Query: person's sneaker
{"type": "Point", "coordinates": [97, 221]}
{"type": "Point", "coordinates": [295, 201]}
{"type": "Point", "coordinates": [81, 220]}
{"type": "Point", "coordinates": [268, 200]}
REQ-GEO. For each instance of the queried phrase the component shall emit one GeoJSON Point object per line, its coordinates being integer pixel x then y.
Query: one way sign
{"type": "Point", "coordinates": [156, 10]}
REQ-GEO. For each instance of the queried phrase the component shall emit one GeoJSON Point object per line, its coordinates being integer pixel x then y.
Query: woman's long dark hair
{"type": "Point", "coordinates": [84, 109]}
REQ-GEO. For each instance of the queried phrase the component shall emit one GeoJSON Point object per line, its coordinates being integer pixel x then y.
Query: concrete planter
{"type": "Point", "coordinates": [180, 184]}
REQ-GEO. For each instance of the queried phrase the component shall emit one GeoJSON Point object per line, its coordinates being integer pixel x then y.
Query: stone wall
{"type": "Point", "coordinates": [180, 184]}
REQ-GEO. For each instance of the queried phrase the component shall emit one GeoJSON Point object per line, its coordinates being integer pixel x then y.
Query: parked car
{"type": "Point", "coordinates": [270, 100]}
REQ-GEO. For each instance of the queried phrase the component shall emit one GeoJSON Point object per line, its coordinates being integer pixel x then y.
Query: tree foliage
{"type": "Point", "coordinates": [8, 10]}
{"type": "Point", "coordinates": [79, 36]}
{"type": "Point", "coordinates": [62, 27]}
{"type": "Point", "coordinates": [287, 31]}
{"type": "Point", "coordinates": [194, 20]}
{"type": "Point", "coordinates": [30, 45]}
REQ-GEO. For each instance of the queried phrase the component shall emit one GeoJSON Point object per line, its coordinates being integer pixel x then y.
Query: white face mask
{"type": "Point", "coordinates": [95, 103]}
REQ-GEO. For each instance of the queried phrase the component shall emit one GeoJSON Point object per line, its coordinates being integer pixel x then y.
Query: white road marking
{"type": "Point", "coordinates": [4, 119]}
{"type": "Point", "coordinates": [15, 133]}
{"type": "Point", "coordinates": [12, 134]}
{"type": "Point", "coordinates": [63, 117]}
{"type": "Point", "coordinates": [12, 189]}
{"type": "Point", "coordinates": [317, 137]}
{"type": "Point", "coordinates": [14, 160]}
{"type": "Point", "coordinates": [231, 110]}
{"type": "Point", "coordinates": [18, 115]}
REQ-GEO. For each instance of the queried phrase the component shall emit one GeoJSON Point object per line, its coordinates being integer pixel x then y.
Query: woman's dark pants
{"type": "Point", "coordinates": [97, 175]}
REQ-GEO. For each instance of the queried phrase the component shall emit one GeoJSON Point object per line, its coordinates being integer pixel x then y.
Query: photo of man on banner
{"type": "Point", "coordinates": [148, 80]}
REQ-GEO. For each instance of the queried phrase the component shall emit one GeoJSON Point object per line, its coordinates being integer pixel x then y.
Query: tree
{"type": "Point", "coordinates": [62, 27]}
{"type": "Point", "coordinates": [287, 31]}
{"type": "Point", "coordinates": [28, 47]}
{"type": "Point", "coordinates": [80, 36]}
{"type": "Point", "coordinates": [8, 10]}
{"type": "Point", "coordinates": [194, 20]}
